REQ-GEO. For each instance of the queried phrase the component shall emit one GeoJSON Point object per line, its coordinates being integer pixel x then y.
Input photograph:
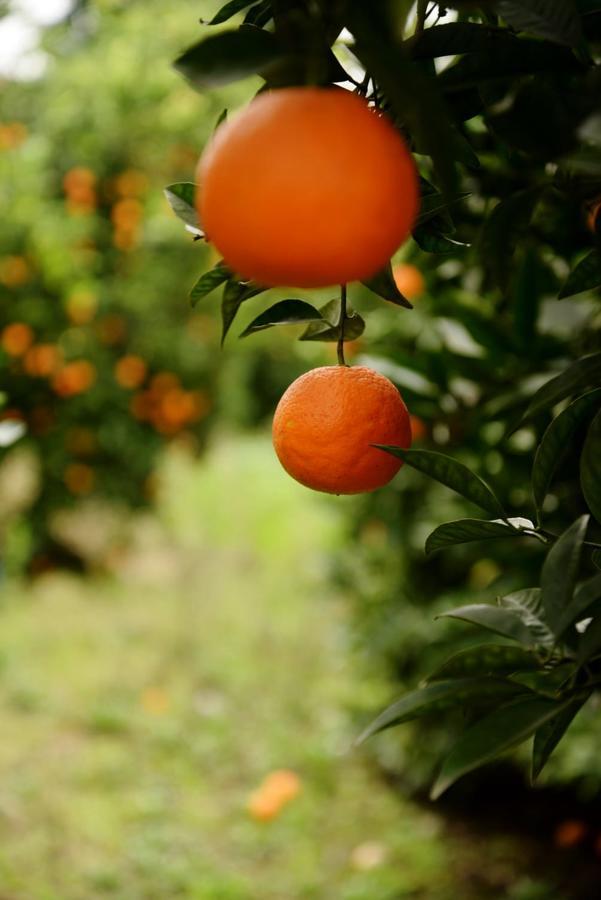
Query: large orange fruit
{"type": "Point", "coordinates": [307, 187]}
{"type": "Point", "coordinates": [328, 419]}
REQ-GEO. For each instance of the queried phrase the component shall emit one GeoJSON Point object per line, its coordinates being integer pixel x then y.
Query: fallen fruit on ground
{"type": "Point", "coordinates": [326, 423]}
{"type": "Point", "coordinates": [307, 187]}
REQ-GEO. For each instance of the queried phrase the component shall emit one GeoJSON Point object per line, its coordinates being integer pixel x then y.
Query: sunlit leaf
{"type": "Point", "coordinates": [528, 605]}
{"type": "Point", "coordinates": [487, 659]}
{"type": "Point", "coordinates": [494, 618]}
{"type": "Point", "coordinates": [181, 200]}
{"type": "Point", "coordinates": [464, 530]}
{"type": "Point", "coordinates": [229, 56]}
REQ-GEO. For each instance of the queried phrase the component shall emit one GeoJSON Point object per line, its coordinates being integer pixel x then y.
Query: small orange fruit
{"type": "Point", "coordinates": [14, 271]}
{"type": "Point", "coordinates": [130, 371]}
{"type": "Point", "coordinates": [569, 833]}
{"type": "Point", "coordinates": [74, 378]}
{"type": "Point", "coordinates": [42, 360]}
{"type": "Point", "coordinates": [284, 784]}
{"type": "Point", "coordinates": [16, 338]}
{"type": "Point", "coordinates": [326, 422]}
{"type": "Point", "coordinates": [409, 280]}
{"type": "Point", "coordinates": [307, 187]}
{"type": "Point", "coordinates": [79, 478]}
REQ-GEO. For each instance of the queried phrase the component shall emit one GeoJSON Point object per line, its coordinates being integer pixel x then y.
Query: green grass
{"type": "Point", "coordinates": [138, 714]}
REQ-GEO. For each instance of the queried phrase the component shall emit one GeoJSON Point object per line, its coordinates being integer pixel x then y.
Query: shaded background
{"type": "Point", "coordinates": [179, 619]}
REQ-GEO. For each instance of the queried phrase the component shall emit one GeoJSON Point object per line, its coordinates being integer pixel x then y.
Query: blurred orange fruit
{"type": "Point", "coordinates": [79, 478]}
{"type": "Point", "coordinates": [42, 360]}
{"type": "Point", "coordinates": [164, 381]}
{"type": "Point", "coordinates": [11, 414]}
{"type": "Point", "coordinates": [130, 371]}
{"type": "Point", "coordinates": [74, 378]}
{"type": "Point", "coordinates": [12, 134]}
{"type": "Point", "coordinates": [263, 807]}
{"type": "Point", "coordinates": [310, 173]}
{"type": "Point", "coordinates": [126, 214]}
{"type": "Point", "coordinates": [78, 178]}
{"type": "Point", "coordinates": [277, 789]}
{"type": "Point", "coordinates": [593, 215]}
{"type": "Point", "coordinates": [409, 280]}
{"type": "Point", "coordinates": [81, 306]}
{"type": "Point", "coordinates": [14, 271]}
{"type": "Point", "coordinates": [16, 338]}
{"type": "Point", "coordinates": [131, 183]}
{"type": "Point", "coordinates": [125, 239]}
{"type": "Point", "coordinates": [418, 428]}
{"type": "Point", "coordinates": [569, 833]}
{"type": "Point", "coordinates": [154, 700]}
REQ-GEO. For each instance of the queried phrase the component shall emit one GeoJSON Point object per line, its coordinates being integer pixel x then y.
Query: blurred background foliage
{"type": "Point", "coordinates": [108, 376]}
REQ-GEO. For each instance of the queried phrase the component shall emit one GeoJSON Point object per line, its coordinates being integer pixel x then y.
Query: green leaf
{"type": "Point", "coordinates": [230, 9]}
{"type": "Point", "coordinates": [431, 241]}
{"type": "Point", "coordinates": [496, 733]}
{"type": "Point", "coordinates": [556, 441]}
{"type": "Point", "coordinates": [596, 558]}
{"type": "Point", "coordinates": [590, 642]}
{"type": "Point", "coordinates": [585, 277]}
{"type": "Point", "coordinates": [222, 117]}
{"type": "Point", "coordinates": [451, 473]}
{"type": "Point", "coordinates": [555, 20]}
{"type": "Point", "coordinates": [457, 38]}
{"type": "Point", "coordinates": [209, 281]}
{"type": "Point", "coordinates": [582, 374]}
{"type": "Point", "coordinates": [487, 659]}
{"type": "Point", "coordinates": [500, 621]}
{"type": "Point", "coordinates": [528, 605]}
{"type": "Point", "coordinates": [585, 596]}
{"type": "Point", "coordinates": [438, 697]}
{"type": "Point", "coordinates": [560, 571]}
{"type": "Point", "coordinates": [285, 312]}
{"type": "Point", "coordinates": [229, 56]}
{"type": "Point", "coordinates": [590, 468]}
{"type": "Point", "coordinates": [181, 200]}
{"type": "Point", "coordinates": [260, 14]}
{"type": "Point", "coordinates": [329, 329]}
{"type": "Point", "coordinates": [508, 219]}
{"type": "Point", "coordinates": [549, 735]}
{"type": "Point", "coordinates": [462, 531]}
{"type": "Point", "coordinates": [235, 293]}
{"type": "Point", "coordinates": [384, 286]}
{"type": "Point", "coordinates": [434, 204]}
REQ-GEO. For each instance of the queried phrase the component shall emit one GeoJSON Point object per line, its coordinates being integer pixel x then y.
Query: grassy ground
{"type": "Point", "coordinates": [139, 713]}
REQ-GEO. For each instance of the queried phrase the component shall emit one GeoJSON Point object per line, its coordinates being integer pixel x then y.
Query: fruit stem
{"type": "Point", "coordinates": [341, 323]}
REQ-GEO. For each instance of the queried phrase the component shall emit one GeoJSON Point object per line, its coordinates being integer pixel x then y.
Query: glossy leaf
{"type": "Point", "coordinates": [499, 731]}
{"type": "Point", "coordinates": [235, 293]}
{"type": "Point", "coordinates": [585, 595]}
{"type": "Point", "coordinates": [584, 373]}
{"type": "Point", "coordinates": [487, 659]}
{"type": "Point", "coordinates": [181, 200]}
{"type": "Point", "coordinates": [453, 474]}
{"type": "Point", "coordinates": [462, 531]}
{"type": "Point", "coordinates": [285, 312]}
{"type": "Point", "coordinates": [384, 286]}
{"type": "Point", "coordinates": [556, 441]}
{"type": "Point", "coordinates": [500, 621]}
{"type": "Point", "coordinates": [457, 38]}
{"type": "Point", "coordinates": [229, 56]}
{"type": "Point", "coordinates": [585, 277]}
{"type": "Point", "coordinates": [528, 605]}
{"type": "Point", "coordinates": [549, 735]}
{"type": "Point", "coordinates": [436, 698]}
{"type": "Point", "coordinates": [560, 571]}
{"type": "Point", "coordinates": [556, 20]}
{"type": "Point", "coordinates": [590, 468]}
{"type": "Point", "coordinates": [230, 9]}
{"type": "Point", "coordinates": [209, 281]}
{"type": "Point", "coordinates": [434, 204]}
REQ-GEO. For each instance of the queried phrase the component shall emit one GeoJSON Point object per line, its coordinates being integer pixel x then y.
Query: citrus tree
{"type": "Point", "coordinates": [500, 361]}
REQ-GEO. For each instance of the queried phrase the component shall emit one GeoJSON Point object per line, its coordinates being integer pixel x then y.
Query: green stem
{"type": "Point", "coordinates": [422, 8]}
{"type": "Point", "coordinates": [341, 322]}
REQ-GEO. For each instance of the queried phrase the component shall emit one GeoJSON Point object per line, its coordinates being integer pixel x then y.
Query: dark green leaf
{"type": "Point", "coordinates": [495, 619]}
{"type": "Point", "coordinates": [560, 571]}
{"type": "Point", "coordinates": [260, 14]}
{"type": "Point", "coordinates": [585, 597]}
{"type": "Point", "coordinates": [549, 735]}
{"type": "Point", "coordinates": [384, 286]}
{"type": "Point", "coordinates": [556, 441]}
{"type": "Point", "coordinates": [496, 733]}
{"type": "Point", "coordinates": [228, 56]}
{"type": "Point", "coordinates": [221, 118]}
{"type": "Point", "coordinates": [181, 200]}
{"type": "Point", "coordinates": [438, 697]}
{"type": "Point", "coordinates": [585, 277]}
{"type": "Point", "coordinates": [528, 605]}
{"type": "Point", "coordinates": [487, 659]}
{"type": "Point", "coordinates": [590, 468]}
{"type": "Point", "coordinates": [230, 9]}
{"type": "Point", "coordinates": [457, 38]}
{"type": "Point", "coordinates": [235, 293]}
{"type": "Point", "coordinates": [329, 328]}
{"type": "Point", "coordinates": [209, 281]}
{"type": "Point", "coordinates": [556, 20]}
{"type": "Point", "coordinates": [462, 531]}
{"type": "Point", "coordinates": [285, 312]}
{"type": "Point", "coordinates": [451, 473]}
{"type": "Point", "coordinates": [596, 558]}
{"type": "Point", "coordinates": [497, 241]}
{"type": "Point", "coordinates": [433, 241]}
{"type": "Point", "coordinates": [433, 204]}
{"type": "Point", "coordinates": [590, 642]}
{"type": "Point", "coordinates": [584, 373]}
